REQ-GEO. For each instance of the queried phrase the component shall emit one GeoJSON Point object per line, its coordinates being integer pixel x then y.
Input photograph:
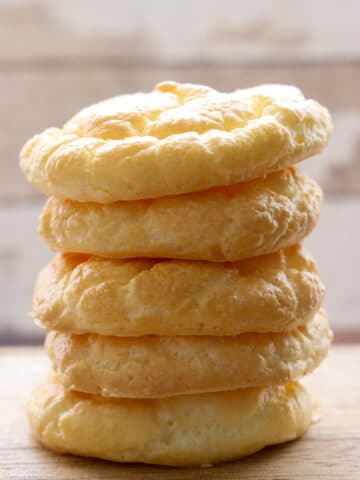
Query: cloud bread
{"type": "Point", "coordinates": [223, 224]}
{"type": "Point", "coordinates": [177, 139]}
{"type": "Point", "coordinates": [182, 431]}
{"type": "Point", "coordinates": [79, 294]}
{"type": "Point", "coordinates": [154, 366]}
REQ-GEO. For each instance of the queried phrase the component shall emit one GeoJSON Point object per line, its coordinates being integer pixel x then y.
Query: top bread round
{"type": "Point", "coordinates": [180, 138]}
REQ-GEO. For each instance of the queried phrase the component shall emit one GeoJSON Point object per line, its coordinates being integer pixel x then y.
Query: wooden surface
{"type": "Point", "coordinates": [329, 450]}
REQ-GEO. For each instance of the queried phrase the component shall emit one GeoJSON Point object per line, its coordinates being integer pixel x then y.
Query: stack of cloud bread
{"type": "Point", "coordinates": [182, 307]}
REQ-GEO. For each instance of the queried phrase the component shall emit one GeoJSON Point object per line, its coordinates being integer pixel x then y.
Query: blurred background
{"type": "Point", "coordinates": [58, 56]}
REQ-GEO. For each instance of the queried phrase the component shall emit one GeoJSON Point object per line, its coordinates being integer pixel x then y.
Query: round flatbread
{"type": "Point", "coordinates": [154, 367]}
{"type": "Point", "coordinates": [225, 224]}
{"type": "Point", "coordinates": [272, 293]}
{"type": "Point", "coordinates": [179, 138]}
{"type": "Point", "coordinates": [181, 431]}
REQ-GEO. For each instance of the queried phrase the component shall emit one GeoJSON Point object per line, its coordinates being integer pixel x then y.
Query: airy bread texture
{"type": "Point", "coordinates": [272, 293]}
{"type": "Point", "coordinates": [179, 138]}
{"type": "Point", "coordinates": [154, 367]}
{"type": "Point", "coordinates": [224, 224]}
{"type": "Point", "coordinates": [182, 431]}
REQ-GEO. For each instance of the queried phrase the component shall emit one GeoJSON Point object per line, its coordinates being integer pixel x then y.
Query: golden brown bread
{"type": "Point", "coordinates": [224, 224]}
{"type": "Point", "coordinates": [180, 138]}
{"type": "Point", "coordinates": [186, 430]}
{"type": "Point", "coordinates": [186, 173]}
{"type": "Point", "coordinates": [81, 294]}
{"type": "Point", "coordinates": [154, 367]}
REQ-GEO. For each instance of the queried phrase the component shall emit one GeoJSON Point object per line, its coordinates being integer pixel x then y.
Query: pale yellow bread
{"type": "Point", "coordinates": [81, 294]}
{"type": "Point", "coordinates": [179, 138]}
{"type": "Point", "coordinates": [224, 224]}
{"type": "Point", "coordinates": [154, 367]}
{"type": "Point", "coordinates": [188, 430]}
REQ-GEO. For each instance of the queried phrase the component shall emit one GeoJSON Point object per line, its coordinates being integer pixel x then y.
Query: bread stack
{"type": "Point", "coordinates": [182, 309]}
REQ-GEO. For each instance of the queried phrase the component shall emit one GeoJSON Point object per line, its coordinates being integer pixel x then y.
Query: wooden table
{"type": "Point", "coordinates": [329, 450]}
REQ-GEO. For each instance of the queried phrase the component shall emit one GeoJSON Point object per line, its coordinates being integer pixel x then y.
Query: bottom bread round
{"type": "Point", "coordinates": [189, 430]}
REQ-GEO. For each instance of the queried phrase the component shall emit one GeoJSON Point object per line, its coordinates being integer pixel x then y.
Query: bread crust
{"type": "Point", "coordinates": [177, 139]}
{"type": "Point", "coordinates": [84, 294]}
{"type": "Point", "coordinates": [155, 367]}
{"type": "Point", "coordinates": [224, 224]}
{"type": "Point", "coordinates": [189, 430]}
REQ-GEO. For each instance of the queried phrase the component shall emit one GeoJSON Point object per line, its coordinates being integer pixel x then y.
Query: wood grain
{"type": "Point", "coordinates": [329, 450]}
